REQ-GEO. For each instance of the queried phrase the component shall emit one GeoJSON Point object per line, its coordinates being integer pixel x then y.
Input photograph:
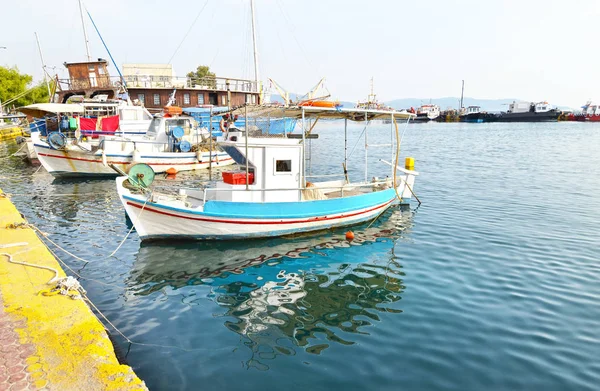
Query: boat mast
{"type": "Point", "coordinates": [462, 92]}
{"type": "Point", "coordinates": [256, 77]}
{"type": "Point", "coordinates": [43, 66]}
{"type": "Point", "coordinates": [85, 37]}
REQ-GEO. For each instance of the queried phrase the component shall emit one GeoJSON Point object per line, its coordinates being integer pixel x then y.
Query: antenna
{"type": "Point", "coordinates": [85, 37]}
{"type": "Point", "coordinates": [256, 78]}
{"type": "Point", "coordinates": [462, 93]}
{"type": "Point", "coordinates": [43, 66]}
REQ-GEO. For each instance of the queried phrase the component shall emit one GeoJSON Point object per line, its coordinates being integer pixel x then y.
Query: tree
{"type": "Point", "coordinates": [13, 84]}
{"type": "Point", "coordinates": [202, 76]}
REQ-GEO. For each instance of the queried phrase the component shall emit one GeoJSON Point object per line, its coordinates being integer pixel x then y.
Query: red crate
{"type": "Point", "coordinates": [237, 177]}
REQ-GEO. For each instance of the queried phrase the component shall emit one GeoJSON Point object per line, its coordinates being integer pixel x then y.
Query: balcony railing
{"type": "Point", "coordinates": [137, 81]}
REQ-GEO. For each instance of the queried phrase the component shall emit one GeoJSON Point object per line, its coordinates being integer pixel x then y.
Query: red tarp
{"type": "Point", "coordinates": [88, 123]}
{"type": "Point", "coordinates": [110, 124]}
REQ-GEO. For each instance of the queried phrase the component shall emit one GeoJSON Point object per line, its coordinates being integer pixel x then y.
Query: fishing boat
{"type": "Point", "coordinates": [589, 112]}
{"type": "Point", "coordinates": [473, 114]}
{"type": "Point", "coordinates": [272, 195]}
{"type": "Point", "coordinates": [427, 113]}
{"type": "Point", "coordinates": [93, 117]}
{"type": "Point", "coordinates": [172, 141]}
{"type": "Point", "coordinates": [529, 112]}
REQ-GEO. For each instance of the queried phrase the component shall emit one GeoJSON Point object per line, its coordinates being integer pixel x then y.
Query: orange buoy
{"type": "Point", "coordinates": [171, 171]}
{"type": "Point", "coordinates": [349, 236]}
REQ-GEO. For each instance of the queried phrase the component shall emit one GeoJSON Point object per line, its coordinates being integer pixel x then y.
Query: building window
{"type": "Point", "coordinates": [186, 99]}
{"type": "Point", "coordinates": [223, 100]}
{"type": "Point", "coordinates": [200, 99]}
{"type": "Point", "coordinates": [283, 166]}
{"type": "Point", "coordinates": [156, 99]}
{"type": "Point", "coordinates": [142, 98]}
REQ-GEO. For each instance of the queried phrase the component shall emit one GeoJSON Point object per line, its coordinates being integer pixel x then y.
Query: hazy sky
{"type": "Point", "coordinates": [533, 50]}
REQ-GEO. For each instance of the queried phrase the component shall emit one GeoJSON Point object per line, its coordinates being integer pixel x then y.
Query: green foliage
{"type": "Point", "coordinates": [202, 76]}
{"type": "Point", "coordinates": [13, 83]}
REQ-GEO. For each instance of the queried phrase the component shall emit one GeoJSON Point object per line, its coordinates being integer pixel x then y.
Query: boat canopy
{"type": "Point", "coordinates": [39, 110]}
{"type": "Point", "coordinates": [354, 114]}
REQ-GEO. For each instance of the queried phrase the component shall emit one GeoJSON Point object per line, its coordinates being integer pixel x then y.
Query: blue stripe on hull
{"type": "Point", "coordinates": [284, 210]}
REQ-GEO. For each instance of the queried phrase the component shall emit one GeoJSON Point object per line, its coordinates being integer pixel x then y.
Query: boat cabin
{"type": "Point", "coordinates": [473, 110]}
{"type": "Point", "coordinates": [274, 163]}
{"type": "Point", "coordinates": [430, 111]}
{"type": "Point", "coordinates": [529, 107]}
{"type": "Point", "coordinates": [590, 109]}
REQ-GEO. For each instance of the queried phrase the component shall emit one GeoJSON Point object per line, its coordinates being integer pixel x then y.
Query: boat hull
{"type": "Point", "coordinates": [70, 163]}
{"type": "Point", "coordinates": [547, 116]}
{"type": "Point", "coordinates": [220, 220]}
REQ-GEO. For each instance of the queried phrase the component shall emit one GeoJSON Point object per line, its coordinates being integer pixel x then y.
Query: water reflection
{"type": "Point", "coordinates": [285, 293]}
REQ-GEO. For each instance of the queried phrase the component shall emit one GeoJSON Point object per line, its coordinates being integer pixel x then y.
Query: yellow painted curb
{"type": "Point", "coordinates": [10, 133]}
{"type": "Point", "coordinates": [72, 348]}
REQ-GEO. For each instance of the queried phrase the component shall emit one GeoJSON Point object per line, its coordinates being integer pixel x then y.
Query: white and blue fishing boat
{"type": "Point", "coordinates": [271, 195]}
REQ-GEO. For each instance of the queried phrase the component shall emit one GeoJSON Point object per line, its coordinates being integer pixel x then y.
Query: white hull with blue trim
{"type": "Point", "coordinates": [168, 144]}
{"type": "Point", "coordinates": [75, 162]}
{"type": "Point", "coordinates": [178, 218]}
{"type": "Point", "coordinates": [271, 196]}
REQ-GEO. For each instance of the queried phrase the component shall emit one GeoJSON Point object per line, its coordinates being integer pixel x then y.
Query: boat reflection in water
{"type": "Point", "coordinates": [281, 294]}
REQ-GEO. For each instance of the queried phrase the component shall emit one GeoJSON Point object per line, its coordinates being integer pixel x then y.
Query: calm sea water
{"type": "Point", "coordinates": [492, 283]}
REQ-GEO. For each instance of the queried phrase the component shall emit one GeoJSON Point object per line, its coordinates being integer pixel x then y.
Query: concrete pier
{"type": "Point", "coordinates": [48, 342]}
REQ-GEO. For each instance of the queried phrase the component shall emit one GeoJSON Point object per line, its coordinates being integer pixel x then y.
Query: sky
{"type": "Point", "coordinates": [526, 49]}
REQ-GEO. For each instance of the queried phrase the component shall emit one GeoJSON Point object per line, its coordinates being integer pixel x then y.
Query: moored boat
{"type": "Point", "coordinates": [272, 196]}
{"type": "Point", "coordinates": [474, 114]}
{"type": "Point", "coordinates": [427, 113]}
{"type": "Point", "coordinates": [589, 112]}
{"type": "Point", "coordinates": [171, 142]}
{"type": "Point", "coordinates": [529, 112]}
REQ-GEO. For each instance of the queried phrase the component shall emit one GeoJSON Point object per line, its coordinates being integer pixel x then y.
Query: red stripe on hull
{"type": "Point", "coordinates": [113, 162]}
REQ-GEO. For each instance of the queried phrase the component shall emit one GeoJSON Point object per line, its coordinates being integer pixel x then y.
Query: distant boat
{"type": "Point", "coordinates": [529, 112]}
{"type": "Point", "coordinates": [474, 114]}
{"type": "Point", "coordinates": [590, 112]}
{"type": "Point", "coordinates": [427, 113]}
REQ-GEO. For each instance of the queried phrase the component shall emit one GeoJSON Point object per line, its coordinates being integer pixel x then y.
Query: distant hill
{"type": "Point", "coordinates": [452, 102]}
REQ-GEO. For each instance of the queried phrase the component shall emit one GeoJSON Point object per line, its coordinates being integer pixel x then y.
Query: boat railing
{"type": "Point", "coordinates": [346, 187]}
{"type": "Point", "coordinates": [326, 176]}
{"type": "Point", "coordinates": [137, 81]}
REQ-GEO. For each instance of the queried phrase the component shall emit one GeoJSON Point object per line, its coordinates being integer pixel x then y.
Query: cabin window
{"type": "Point", "coordinates": [186, 99]}
{"type": "Point", "coordinates": [156, 99]}
{"type": "Point", "coordinates": [91, 68]}
{"type": "Point", "coordinates": [248, 98]}
{"type": "Point", "coordinates": [283, 166]}
{"type": "Point", "coordinates": [223, 100]}
{"type": "Point", "coordinates": [101, 71]}
{"type": "Point", "coordinates": [142, 98]}
{"type": "Point", "coordinates": [200, 99]}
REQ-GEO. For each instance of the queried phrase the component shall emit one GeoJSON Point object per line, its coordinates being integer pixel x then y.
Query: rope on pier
{"type": "Point", "coordinates": [45, 235]}
{"type": "Point", "coordinates": [67, 286]}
